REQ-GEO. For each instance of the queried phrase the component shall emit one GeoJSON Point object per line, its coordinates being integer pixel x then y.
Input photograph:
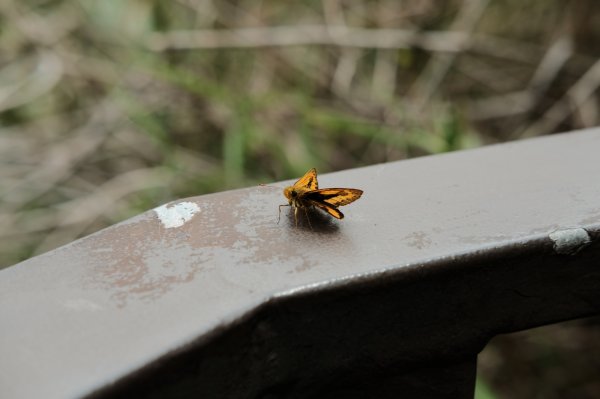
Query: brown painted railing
{"type": "Point", "coordinates": [210, 297]}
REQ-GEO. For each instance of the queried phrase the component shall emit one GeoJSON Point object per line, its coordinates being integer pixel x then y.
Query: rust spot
{"type": "Point", "coordinates": [142, 260]}
{"type": "Point", "coordinates": [131, 260]}
{"type": "Point", "coordinates": [417, 239]}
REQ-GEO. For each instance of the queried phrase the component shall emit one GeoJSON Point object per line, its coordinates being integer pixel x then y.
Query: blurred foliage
{"type": "Point", "coordinates": [560, 361]}
{"type": "Point", "coordinates": [109, 108]}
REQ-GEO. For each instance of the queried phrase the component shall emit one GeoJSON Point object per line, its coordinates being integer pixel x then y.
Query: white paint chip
{"type": "Point", "coordinates": [176, 215]}
{"type": "Point", "coordinates": [570, 241]}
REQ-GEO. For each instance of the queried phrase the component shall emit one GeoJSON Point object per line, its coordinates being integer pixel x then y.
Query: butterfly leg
{"type": "Point", "coordinates": [307, 218]}
{"type": "Point", "coordinates": [296, 215]}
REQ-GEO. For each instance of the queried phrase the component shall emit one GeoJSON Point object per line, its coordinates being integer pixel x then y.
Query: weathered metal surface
{"type": "Point", "coordinates": [209, 295]}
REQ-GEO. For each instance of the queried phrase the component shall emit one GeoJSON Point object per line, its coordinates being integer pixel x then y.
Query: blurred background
{"type": "Point", "coordinates": [109, 108]}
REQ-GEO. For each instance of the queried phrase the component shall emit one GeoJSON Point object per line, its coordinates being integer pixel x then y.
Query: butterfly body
{"type": "Point", "coordinates": [305, 193]}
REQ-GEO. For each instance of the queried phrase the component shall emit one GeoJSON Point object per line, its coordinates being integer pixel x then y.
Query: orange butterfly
{"type": "Point", "coordinates": [305, 193]}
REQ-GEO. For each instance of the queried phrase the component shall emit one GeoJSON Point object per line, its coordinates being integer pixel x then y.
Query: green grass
{"type": "Point", "coordinates": [483, 391]}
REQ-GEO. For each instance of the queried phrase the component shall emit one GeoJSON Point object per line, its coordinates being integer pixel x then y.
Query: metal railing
{"type": "Point", "coordinates": [210, 297]}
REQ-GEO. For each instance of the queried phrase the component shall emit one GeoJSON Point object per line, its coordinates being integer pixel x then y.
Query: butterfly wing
{"type": "Point", "coordinates": [308, 181]}
{"type": "Point", "coordinates": [334, 196]}
{"type": "Point", "coordinates": [332, 210]}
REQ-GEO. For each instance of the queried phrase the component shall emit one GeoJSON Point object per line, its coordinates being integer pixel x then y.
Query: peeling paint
{"type": "Point", "coordinates": [176, 215]}
{"type": "Point", "coordinates": [569, 241]}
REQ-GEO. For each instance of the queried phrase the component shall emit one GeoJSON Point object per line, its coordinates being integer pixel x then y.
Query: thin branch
{"type": "Point", "coordinates": [514, 103]}
{"type": "Point", "coordinates": [60, 159]}
{"type": "Point", "coordinates": [340, 36]}
{"type": "Point", "coordinates": [440, 64]}
{"type": "Point", "coordinates": [74, 217]}
{"type": "Point", "coordinates": [575, 97]}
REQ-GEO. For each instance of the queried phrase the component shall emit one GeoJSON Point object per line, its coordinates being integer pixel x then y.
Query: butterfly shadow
{"type": "Point", "coordinates": [313, 220]}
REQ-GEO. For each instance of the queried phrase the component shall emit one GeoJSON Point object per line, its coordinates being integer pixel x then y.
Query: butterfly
{"type": "Point", "coordinates": [305, 193]}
